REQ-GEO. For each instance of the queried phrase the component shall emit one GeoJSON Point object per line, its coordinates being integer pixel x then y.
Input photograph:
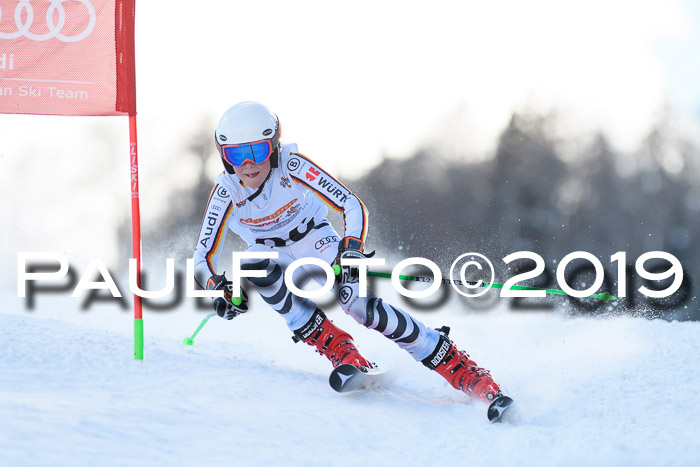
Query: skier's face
{"type": "Point", "coordinates": [252, 174]}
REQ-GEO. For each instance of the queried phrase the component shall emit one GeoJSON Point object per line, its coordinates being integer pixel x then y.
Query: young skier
{"type": "Point", "coordinates": [275, 199]}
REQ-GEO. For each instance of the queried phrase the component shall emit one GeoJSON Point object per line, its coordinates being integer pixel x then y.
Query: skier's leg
{"type": "Point", "coordinates": [331, 341]}
{"type": "Point", "coordinates": [410, 334]}
{"type": "Point", "coordinates": [296, 311]}
{"type": "Point", "coordinates": [394, 323]}
{"type": "Point", "coordinates": [429, 346]}
{"type": "Point", "coordinates": [460, 371]}
{"type": "Point", "coordinates": [303, 317]}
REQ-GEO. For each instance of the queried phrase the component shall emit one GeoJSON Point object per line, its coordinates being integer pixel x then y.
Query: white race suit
{"type": "Point", "coordinates": [289, 216]}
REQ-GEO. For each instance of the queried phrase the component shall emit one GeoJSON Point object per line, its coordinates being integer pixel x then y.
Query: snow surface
{"type": "Point", "coordinates": [590, 391]}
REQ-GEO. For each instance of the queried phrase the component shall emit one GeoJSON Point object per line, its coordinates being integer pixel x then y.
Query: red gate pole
{"type": "Point", "coordinates": [136, 236]}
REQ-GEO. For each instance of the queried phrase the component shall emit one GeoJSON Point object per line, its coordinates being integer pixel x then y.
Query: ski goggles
{"type": "Point", "coordinates": [256, 152]}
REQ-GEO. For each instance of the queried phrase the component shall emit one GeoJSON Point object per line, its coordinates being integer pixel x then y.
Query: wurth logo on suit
{"type": "Point", "coordinates": [326, 185]}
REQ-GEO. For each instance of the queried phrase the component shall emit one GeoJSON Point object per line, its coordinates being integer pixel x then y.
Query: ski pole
{"type": "Point", "coordinates": [190, 340]}
{"type": "Point", "coordinates": [605, 297]}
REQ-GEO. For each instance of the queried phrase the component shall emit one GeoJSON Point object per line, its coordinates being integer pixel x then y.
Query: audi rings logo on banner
{"type": "Point", "coordinates": [24, 8]}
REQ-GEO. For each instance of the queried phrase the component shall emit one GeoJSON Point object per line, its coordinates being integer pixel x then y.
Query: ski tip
{"type": "Point", "coordinates": [498, 407]}
{"type": "Point", "coordinates": [341, 376]}
{"type": "Point", "coordinates": [346, 378]}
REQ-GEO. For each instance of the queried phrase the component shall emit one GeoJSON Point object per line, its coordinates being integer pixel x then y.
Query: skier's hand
{"type": "Point", "coordinates": [350, 243]}
{"type": "Point", "coordinates": [224, 306]}
{"type": "Point", "coordinates": [349, 247]}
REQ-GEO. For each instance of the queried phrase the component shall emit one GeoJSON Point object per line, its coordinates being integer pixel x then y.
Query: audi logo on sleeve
{"type": "Point", "coordinates": [326, 241]}
{"type": "Point", "coordinates": [55, 18]}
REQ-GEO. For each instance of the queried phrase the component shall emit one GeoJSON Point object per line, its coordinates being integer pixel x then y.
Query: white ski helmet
{"type": "Point", "coordinates": [248, 131]}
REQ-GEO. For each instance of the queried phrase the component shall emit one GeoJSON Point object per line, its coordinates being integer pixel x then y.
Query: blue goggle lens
{"type": "Point", "coordinates": [238, 154]}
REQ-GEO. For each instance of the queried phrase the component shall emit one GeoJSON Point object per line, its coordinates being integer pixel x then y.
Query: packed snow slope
{"type": "Point", "coordinates": [589, 391]}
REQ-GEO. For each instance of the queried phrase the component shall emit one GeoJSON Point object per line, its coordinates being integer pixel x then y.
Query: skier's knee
{"type": "Point", "coordinates": [353, 305]}
{"type": "Point", "coordinates": [273, 272]}
{"type": "Point", "coordinates": [359, 316]}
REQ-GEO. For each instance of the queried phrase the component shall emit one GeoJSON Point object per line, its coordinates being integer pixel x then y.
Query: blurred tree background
{"type": "Point", "coordinates": [537, 192]}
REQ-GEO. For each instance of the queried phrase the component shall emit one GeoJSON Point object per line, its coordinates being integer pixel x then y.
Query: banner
{"type": "Point", "coordinates": [75, 57]}
{"type": "Point", "coordinates": [67, 57]}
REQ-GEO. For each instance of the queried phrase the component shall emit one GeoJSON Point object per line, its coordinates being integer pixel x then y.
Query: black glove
{"type": "Point", "coordinates": [224, 305]}
{"type": "Point", "coordinates": [349, 247]}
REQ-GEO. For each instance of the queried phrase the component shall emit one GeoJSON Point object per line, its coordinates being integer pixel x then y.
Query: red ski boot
{"type": "Point", "coordinates": [462, 373]}
{"type": "Point", "coordinates": [336, 344]}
